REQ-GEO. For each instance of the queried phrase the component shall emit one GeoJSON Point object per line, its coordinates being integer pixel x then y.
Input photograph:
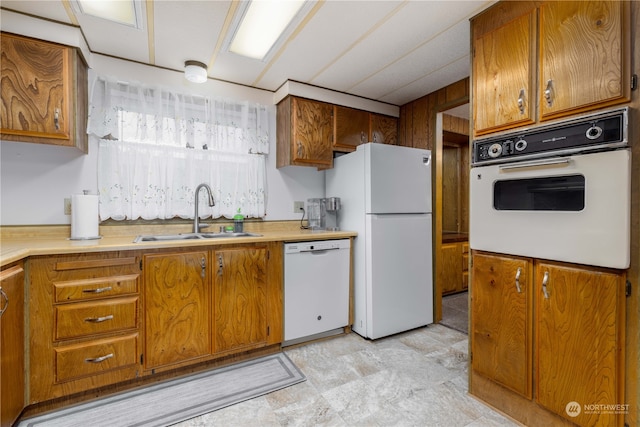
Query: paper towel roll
{"type": "Point", "coordinates": [84, 217]}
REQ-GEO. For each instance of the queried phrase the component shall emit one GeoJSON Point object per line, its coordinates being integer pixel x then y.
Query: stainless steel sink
{"type": "Point", "coordinates": [191, 236]}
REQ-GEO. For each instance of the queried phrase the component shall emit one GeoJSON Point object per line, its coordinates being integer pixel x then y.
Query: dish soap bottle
{"type": "Point", "coordinates": [238, 222]}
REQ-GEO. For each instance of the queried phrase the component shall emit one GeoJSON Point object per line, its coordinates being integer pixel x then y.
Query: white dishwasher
{"type": "Point", "coordinates": [316, 288]}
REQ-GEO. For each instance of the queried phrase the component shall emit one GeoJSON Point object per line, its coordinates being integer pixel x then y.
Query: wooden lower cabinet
{"type": "Point", "coordinates": [177, 291]}
{"type": "Point", "coordinates": [12, 363]}
{"type": "Point", "coordinates": [571, 367]}
{"type": "Point", "coordinates": [580, 320]}
{"type": "Point", "coordinates": [501, 328]}
{"type": "Point", "coordinates": [84, 322]}
{"type": "Point", "coordinates": [454, 274]}
{"type": "Point", "coordinates": [107, 320]}
{"type": "Point", "coordinates": [210, 303]}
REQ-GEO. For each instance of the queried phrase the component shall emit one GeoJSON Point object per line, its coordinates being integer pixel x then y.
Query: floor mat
{"type": "Point", "coordinates": [180, 399]}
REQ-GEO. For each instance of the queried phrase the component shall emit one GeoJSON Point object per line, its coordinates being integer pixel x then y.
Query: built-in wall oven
{"type": "Point", "coordinates": [560, 192]}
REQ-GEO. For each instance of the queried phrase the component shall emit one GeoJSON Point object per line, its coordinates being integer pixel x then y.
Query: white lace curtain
{"type": "Point", "coordinates": [156, 146]}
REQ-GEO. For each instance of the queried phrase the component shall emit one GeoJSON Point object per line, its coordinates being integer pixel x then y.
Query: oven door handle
{"type": "Point", "coordinates": [535, 163]}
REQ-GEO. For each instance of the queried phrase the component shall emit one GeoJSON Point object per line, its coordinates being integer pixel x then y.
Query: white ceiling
{"type": "Point", "coordinates": [389, 51]}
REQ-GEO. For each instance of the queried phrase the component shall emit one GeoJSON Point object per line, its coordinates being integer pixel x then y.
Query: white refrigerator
{"type": "Point", "coordinates": [385, 195]}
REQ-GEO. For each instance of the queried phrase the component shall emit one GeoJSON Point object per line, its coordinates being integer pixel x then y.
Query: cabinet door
{"type": "Point", "coordinates": [384, 129]}
{"type": "Point", "coordinates": [11, 344]}
{"type": "Point", "coordinates": [312, 132]}
{"type": "Point", "coordinates": [451, 271]}
{"type": "Point", "coordinates": [579, 335]}
{"type": "Point", "coordinates": [36, 88]}
{"type": "Point", "coordinates": [240, 298]}
{"type": "Point", "coordinates": [351, 128]}
{"type": "Point", "coordinates": [177, 308]}
{"type": "Point", "coordinates": [503, 76]}
{"type": "Point", "coordinates": [582, 55]}
{"type": "Point", "coordinates": [501, 326]}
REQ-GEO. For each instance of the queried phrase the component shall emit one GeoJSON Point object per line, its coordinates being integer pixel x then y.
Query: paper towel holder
{"type": "Point", "coordinates": [90, 237]}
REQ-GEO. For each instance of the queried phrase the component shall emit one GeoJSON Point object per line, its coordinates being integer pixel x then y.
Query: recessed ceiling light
{"type": "Point", "coordinates": [127, 12]}
{"type": "Point", "coordinates": [262, 24]}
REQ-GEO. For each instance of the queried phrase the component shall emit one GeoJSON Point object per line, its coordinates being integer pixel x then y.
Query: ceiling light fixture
{"type": "Point", "coordinates": [127, 12]}
{"type": "Point", "coordinates": [262, 24]}
{"type": "Point", "coordinates": [195, 71]}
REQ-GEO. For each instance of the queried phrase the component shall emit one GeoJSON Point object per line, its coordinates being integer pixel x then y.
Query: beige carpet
{"type": "Point", "coordinates": [180, 399]}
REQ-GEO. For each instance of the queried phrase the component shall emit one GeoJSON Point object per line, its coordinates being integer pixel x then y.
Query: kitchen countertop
{"type": "Point", "coordinates": [16, 247]}
{"type": "Point", "coordinates": [454, 237]}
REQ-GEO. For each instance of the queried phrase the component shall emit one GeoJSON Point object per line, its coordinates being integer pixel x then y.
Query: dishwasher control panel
{"type": "Point", "coordinates": [320, 245]}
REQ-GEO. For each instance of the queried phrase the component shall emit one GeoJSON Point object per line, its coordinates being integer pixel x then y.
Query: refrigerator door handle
{"type": "Point", "coordinates": [426, 159]}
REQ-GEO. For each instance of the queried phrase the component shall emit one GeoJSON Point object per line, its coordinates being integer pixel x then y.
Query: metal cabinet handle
{"type": "Point", "coordinates": [6, 302]}
{"type": "Point", "coordinates": [518, 273]}
{"type": "Point", "coordinates": [99, 319]}
{"type": "Point", "coordinates": [98, 290]}
{"type": "Point", "coordinates": [220, 265]}
{"type": "Point", "coordinates": [548, 93]}
{"type": "Point", "coordinates": [300, 150]}
{"type": "Point", "coordinates": [98, 359]}
{"type": "Point", "coordinates": [203, 267]}
{"type": "Point", "coordinates": [56, 118]}
{"type": "Point", "coordinates": [545, 280]}
{"type": "Point", "coordinates": [521, 100]}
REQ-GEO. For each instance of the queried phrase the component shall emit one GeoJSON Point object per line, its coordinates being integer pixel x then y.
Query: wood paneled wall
{"type": "Point", "coordinates": [417, 128]}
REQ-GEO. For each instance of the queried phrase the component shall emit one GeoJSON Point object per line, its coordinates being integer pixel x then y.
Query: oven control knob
{"type": "Point", "coordinates": [495, 150]}
{"type": "Point", "coordinates": [593, 132]}
{"type": "Point", "coordinates": [521, 144]}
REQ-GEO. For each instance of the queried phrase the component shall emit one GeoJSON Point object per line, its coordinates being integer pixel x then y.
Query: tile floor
{"type": "Point", "coordinates": [417, 378]}
{"type": "Point", "coordinates": [455, 311]}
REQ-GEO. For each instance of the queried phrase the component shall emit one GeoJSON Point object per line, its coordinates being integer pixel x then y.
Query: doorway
{"type": "Point", "coordinates": [451, 237]}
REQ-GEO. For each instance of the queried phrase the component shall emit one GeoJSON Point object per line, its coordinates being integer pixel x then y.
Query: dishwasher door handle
{"type": "Point", "coordinates": [318, 251]}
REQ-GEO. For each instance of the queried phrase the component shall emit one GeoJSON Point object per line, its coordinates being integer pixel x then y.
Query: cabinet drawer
{"type": "Point", "coordinates": [78, 290]}
{"type": "Point", "coordinates": [80, 360]}
{"type": "Point", "coordinates": [465, 261]}
{"type": "Point", "coordinates": [76, 320]}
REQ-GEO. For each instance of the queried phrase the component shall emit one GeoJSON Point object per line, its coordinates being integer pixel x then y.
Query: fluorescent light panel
{"type": "Point", "coordinates": [121, 11]}
{"type": "Point", "coordinates": [263, 23]}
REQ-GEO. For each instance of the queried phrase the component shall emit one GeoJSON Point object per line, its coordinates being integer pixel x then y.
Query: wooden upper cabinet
{"type": "Point", "coordinates": [503, 76]}
{"type": "Point", "coordinates": [501, 326]}
{"type": "Point", "coordinates": [582, 61]}
{"type": "Point", "coordinates": [580, 341]}
{"type": "Point", "coordinates": [304, 133]}
{"type": "Point", "coordinates": [351, 128]}
{"type": "Point", "coordinates": [583, 55]}
{"type": "Point", "coordinates": [44, 93]}
{"type": "Point", "coordinates": [384, 129]}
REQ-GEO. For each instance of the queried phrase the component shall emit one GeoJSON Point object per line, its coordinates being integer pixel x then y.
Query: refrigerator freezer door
{"type": "Point", "coordinates": [399, 273]}
{"type": "Point", "coordinates": [397, 179]}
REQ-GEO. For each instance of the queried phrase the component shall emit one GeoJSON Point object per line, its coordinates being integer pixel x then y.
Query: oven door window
{"type": "Point", "coordinates": [552, 193]}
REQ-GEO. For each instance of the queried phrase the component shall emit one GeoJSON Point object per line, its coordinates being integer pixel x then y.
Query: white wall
{"type": "Point", "coordinates": [35, 178]}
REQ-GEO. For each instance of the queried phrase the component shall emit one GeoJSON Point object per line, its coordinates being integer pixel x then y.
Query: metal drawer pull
{"type": "Point", "coordinates": [521, 101]}
{"type": "Point", "coordinates": [98, 290]}
{"type": "Point", "coordinates": [6, 301]}
{"type": "Point", "coordinates": [518, 273]}
{"type": "Point", "coordinates": [99, 359]}
{"type": "Point", "coordinates": [99, 319]}
{"type": "Point", "coordinates": [548, 93]}
{"type": "Point", "coordinates": [545, 280]}
{"type": "Point", "coordinates": [534, 163]}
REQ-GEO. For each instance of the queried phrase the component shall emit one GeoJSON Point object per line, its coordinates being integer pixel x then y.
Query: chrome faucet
{"type": "Point", "coordinates": [196, 219]}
